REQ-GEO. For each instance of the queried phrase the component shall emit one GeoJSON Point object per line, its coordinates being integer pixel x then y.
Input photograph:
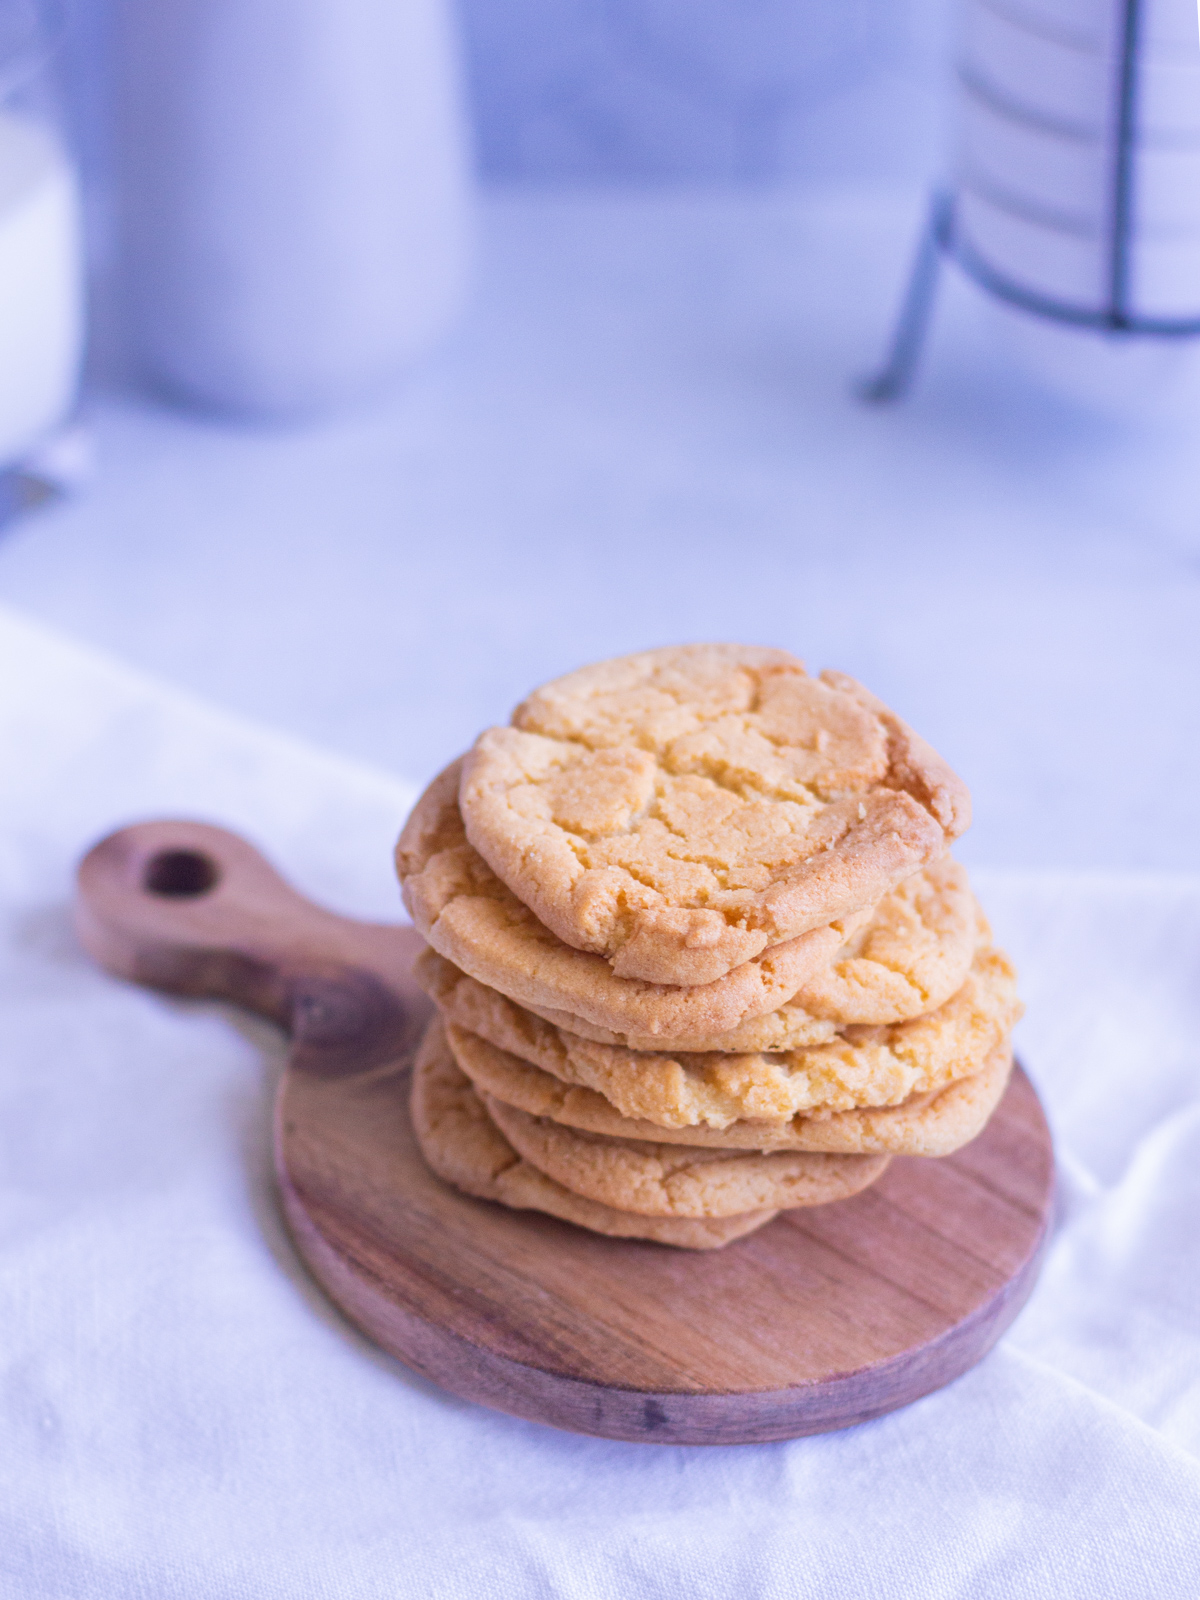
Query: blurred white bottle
{"type": "Point", "coordinates": [41, 299]}
{"type": "Point", "coordinates": [295, 208]}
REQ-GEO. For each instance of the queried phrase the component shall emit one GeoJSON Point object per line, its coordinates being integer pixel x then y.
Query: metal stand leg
{"type": "Point", "coordinates": [894, 381]}
{"type": "Point", "coordinates": [57, 466]}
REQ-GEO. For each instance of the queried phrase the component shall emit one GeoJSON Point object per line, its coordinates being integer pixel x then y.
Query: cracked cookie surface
{"type": "Point", "coordinates": [858, 1067]}
{"type": "Point", "coordinates": [463, 1146]}
{"type": "Point", "coordinates": [911, 956]}
{"type": "Point", "coordinates": [933, 1124]}
{"type": "Point", "coordinates": [681, 811]}
{"type": "Point", "coordinates": [472, 918]}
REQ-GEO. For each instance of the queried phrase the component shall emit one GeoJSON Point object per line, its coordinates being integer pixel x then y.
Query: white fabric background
{"type": "Point", "coordinates": [182, 1414]}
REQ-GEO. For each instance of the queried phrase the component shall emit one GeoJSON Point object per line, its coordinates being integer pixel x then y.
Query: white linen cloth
{"type": "Point", "coordinates": [182, 1414]}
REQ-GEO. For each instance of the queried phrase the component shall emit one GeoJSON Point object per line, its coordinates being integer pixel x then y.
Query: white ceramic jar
{"type": "Point", "coordinates": [294, 181]}
{"type": "Point", "coordinates": [41, 277]}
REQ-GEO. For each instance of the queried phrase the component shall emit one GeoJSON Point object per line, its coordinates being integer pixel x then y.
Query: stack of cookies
{"type": "Point", "coordinates": [697, 948]}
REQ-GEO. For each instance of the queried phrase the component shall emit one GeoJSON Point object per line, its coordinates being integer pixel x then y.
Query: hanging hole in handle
{"type": "Point", "coordinates": [180, 874]}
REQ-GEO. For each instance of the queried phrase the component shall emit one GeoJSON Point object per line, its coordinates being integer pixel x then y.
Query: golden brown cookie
{"type": "Point", "coordinates": [933, 1124]}
{"type": "Point", "coordinates": [680, 811]}
{"type": "Point", "coordinates": [462, 1145]}
{"type": "Point", "coordinates": [908, 959]}
{"type": "Point", "coordinates": [858, 1067]}
{"type": "Point", "coordinates": [474, 920]}
{"type": "Point", "coordinates": [655, 1179]}
{"type": "Point", "coordinates": [911, 956]}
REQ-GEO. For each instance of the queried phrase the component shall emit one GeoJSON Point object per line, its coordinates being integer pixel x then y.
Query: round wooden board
{"type": "Point", "coordinates": [825, 1317]}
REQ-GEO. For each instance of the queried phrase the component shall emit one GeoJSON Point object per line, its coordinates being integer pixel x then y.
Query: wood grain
{"type": "Point", "coordinates": [824, 1318]}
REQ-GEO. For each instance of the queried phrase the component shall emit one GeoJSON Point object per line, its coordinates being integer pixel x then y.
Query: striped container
{"type": "Point", "coordinates": [1078, 182]}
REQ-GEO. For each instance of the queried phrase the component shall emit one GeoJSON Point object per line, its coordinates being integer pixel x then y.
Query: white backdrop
{"type": "Point", "coordinates": [636, 90]}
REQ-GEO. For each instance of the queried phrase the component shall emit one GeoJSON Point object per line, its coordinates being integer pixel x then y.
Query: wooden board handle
{"type": "Point", "coordinates": [195, 910]}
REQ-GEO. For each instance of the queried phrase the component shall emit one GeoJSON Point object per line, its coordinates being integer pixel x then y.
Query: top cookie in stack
{"type": "Point", "coordinates": [684, 869]}
{"type": "Point", "coordinates": [681, 811]}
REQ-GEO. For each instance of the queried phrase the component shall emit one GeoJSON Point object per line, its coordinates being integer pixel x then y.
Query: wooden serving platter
{"type": "Point", "coordinates": [823, 1318]}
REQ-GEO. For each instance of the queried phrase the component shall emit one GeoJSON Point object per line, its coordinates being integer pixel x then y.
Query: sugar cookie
{"type": "Point", "coordinates": [932, 1124]}
{"type": "Point", "coordinates": [857, 1067]}
{"type": "Point", "coordinates": [463, 1146]}
{"type": "Point", "coordinates": [654, 1179]}
{"type": "Point", "coordinates": [470, 917]}
{"type": "Point", "coordinates": [681, 811]}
